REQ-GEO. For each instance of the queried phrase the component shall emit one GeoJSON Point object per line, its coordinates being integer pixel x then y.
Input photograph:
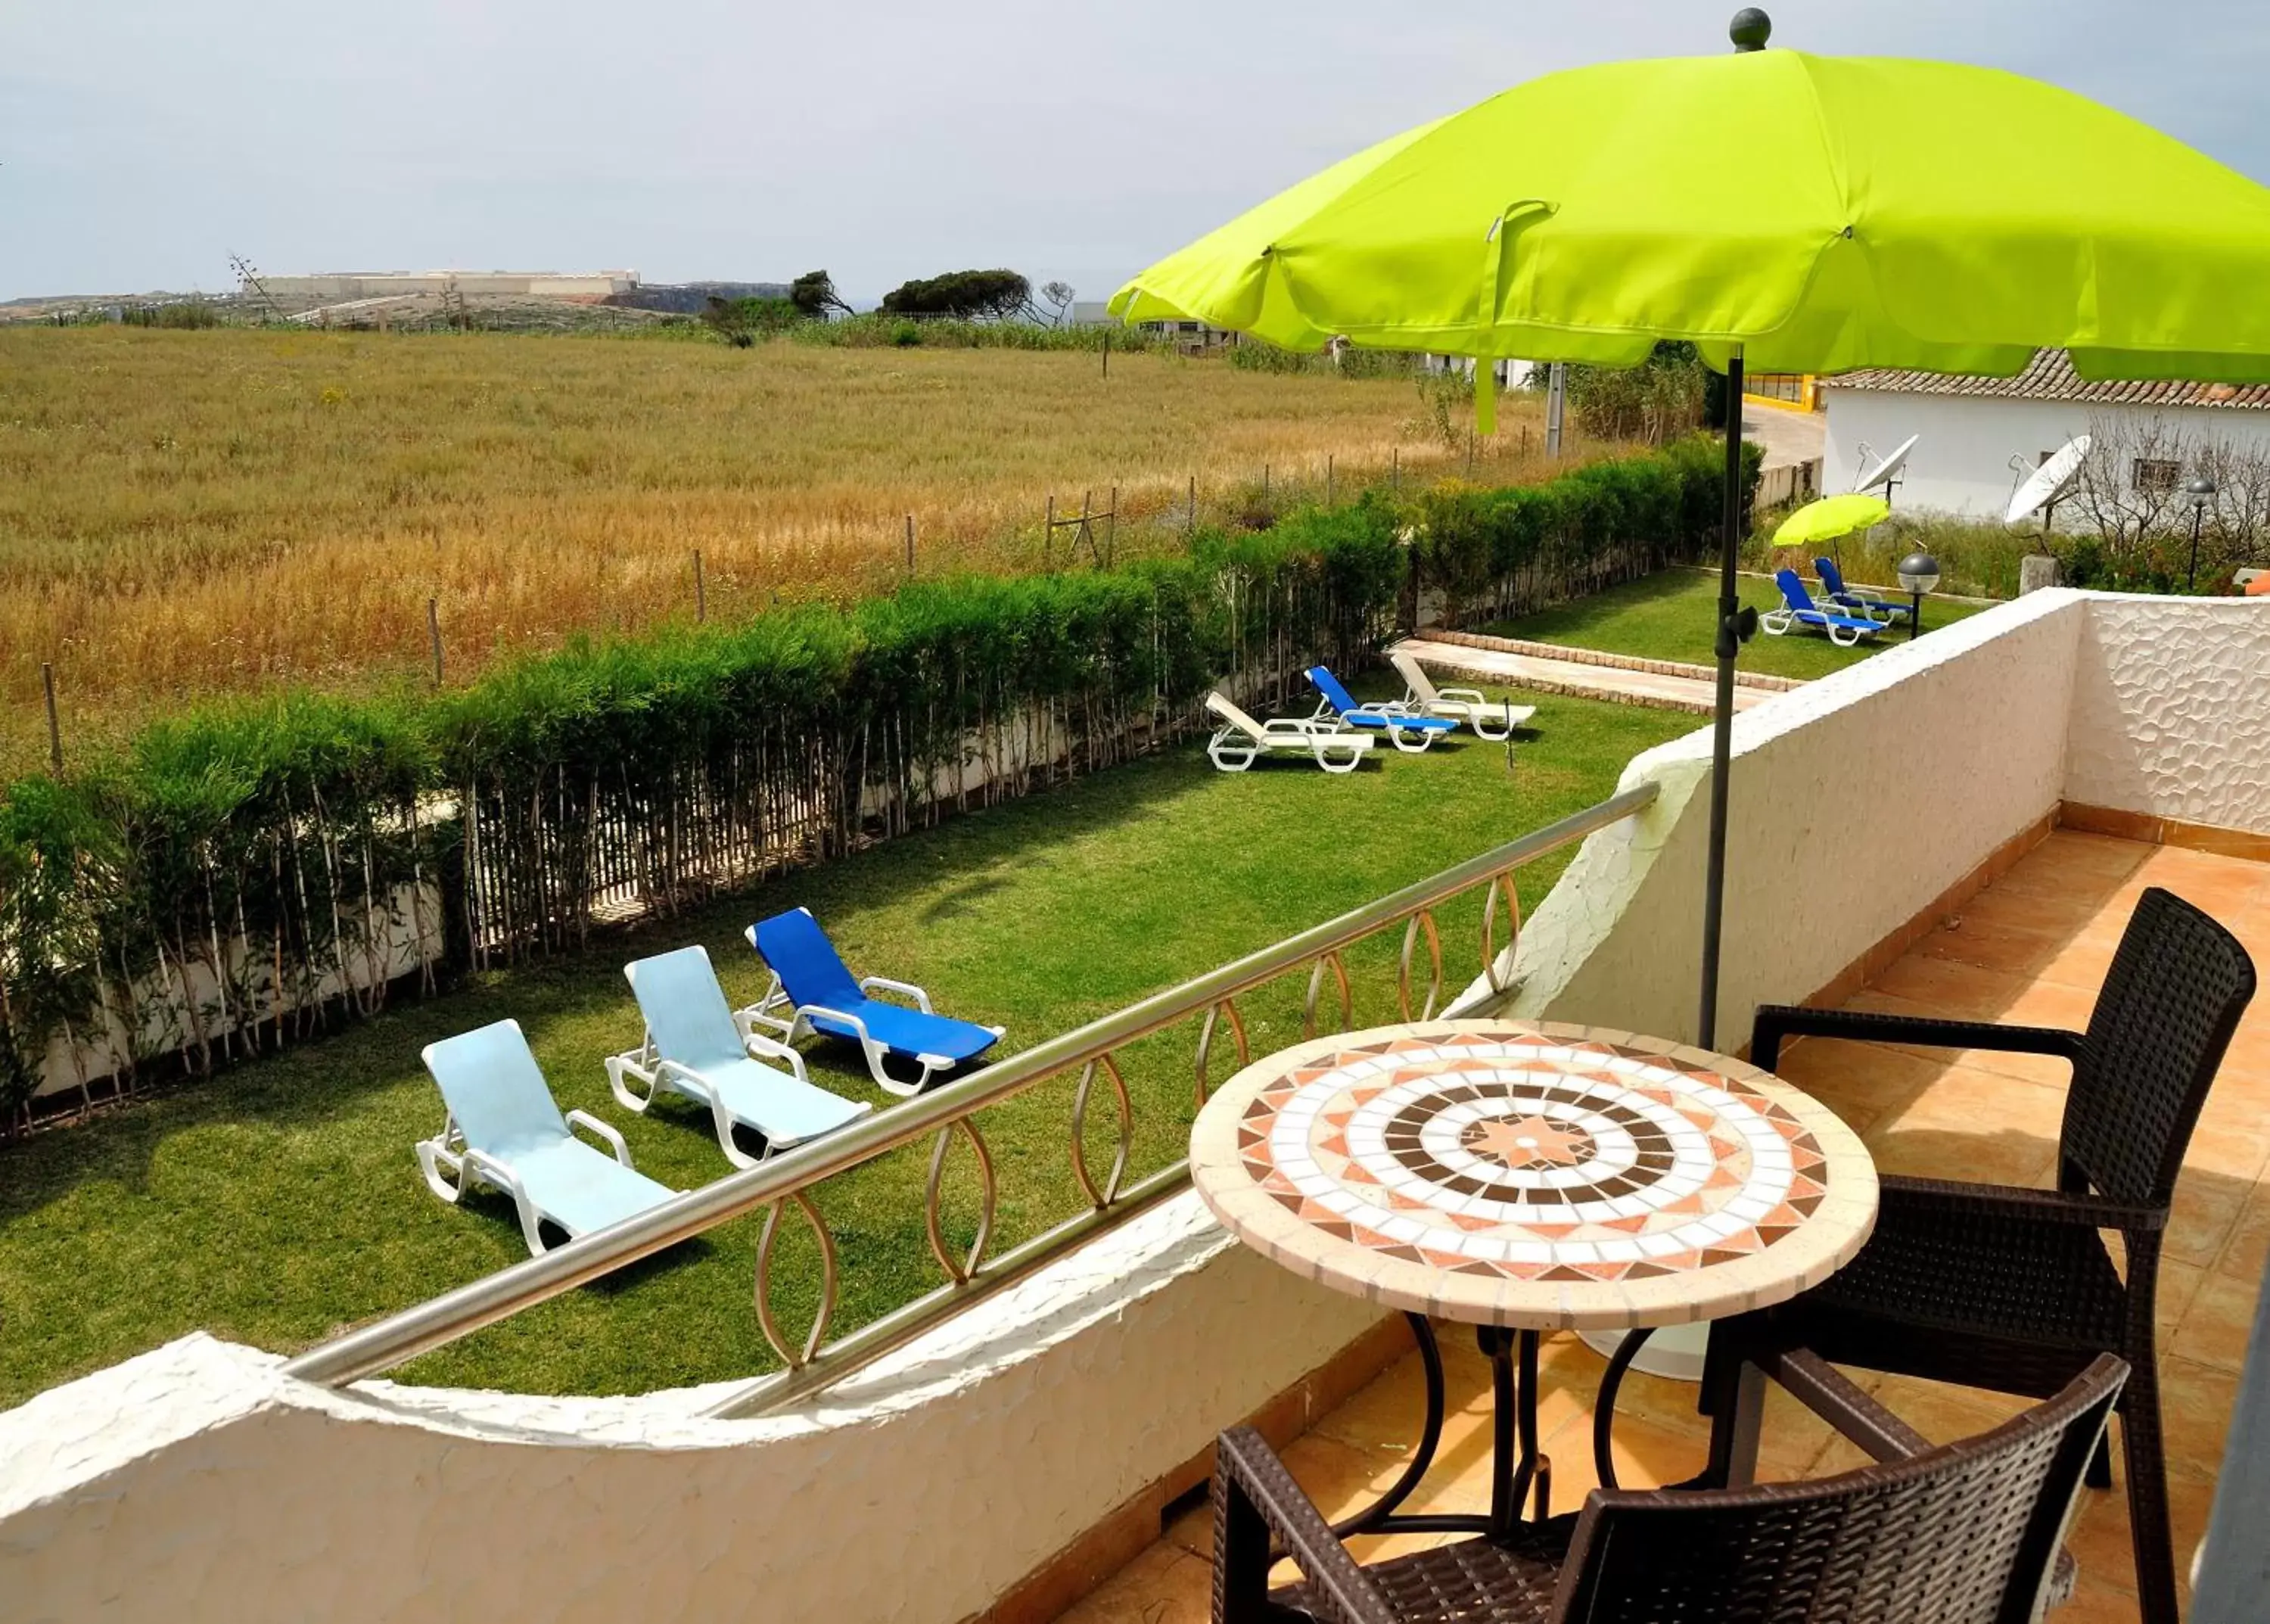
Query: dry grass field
{"type": "Point", "coordinates": [185, 513]}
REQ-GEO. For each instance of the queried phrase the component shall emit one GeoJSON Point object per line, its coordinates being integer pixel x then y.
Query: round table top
{"type": "Point", "coordinates": [1507, 1172]}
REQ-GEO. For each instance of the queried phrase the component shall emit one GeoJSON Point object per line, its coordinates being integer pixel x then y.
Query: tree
{"type": "Point", "coordinates": [1059, 295]}
{"type": "Point", "coordinates": [973, 295]}
{"type": "Point", "coordinates": [813, 293]}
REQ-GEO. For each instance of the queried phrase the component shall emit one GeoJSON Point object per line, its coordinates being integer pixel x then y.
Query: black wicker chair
{"type": "Point", "coordinates": [2015, 1289]}
{"type": "Point", "coordinates": [1964, 1534]}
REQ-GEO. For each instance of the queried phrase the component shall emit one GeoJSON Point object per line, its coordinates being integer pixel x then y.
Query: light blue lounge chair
{"type": "Point", "coordinates": [1858, 600]}
{"type": "Point", "coordinates": [1407, 732]}
{"type": "Point", "coordinates": [810, 982]}
{"type": "Point", "coordinates": [693, 1046]}
{"type": "Point", "coordinates": [1799, 609]}
{"type": "Point", "coordinates": [504, 1128]}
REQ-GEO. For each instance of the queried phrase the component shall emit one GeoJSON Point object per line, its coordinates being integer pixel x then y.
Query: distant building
{"type": "Point", "coordinates": [1185, 335]}
{"type": "Point", "coordinates": [1970, 429]}
{"type": "Point", "coordinates": [342, 284]}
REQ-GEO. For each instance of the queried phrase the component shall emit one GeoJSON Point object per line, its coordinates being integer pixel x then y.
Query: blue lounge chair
{"type": "Point", "coordinates": [693, 1046]}
{"type": "Point", "coordinates": [810, 981]}
{"type": "Point", "coordinates": [1407, 731]}
{"type": "Point", "coordinates": [1799, 609]}
{"type": "Point", "coordinates": [504, 1128]}
{"type": "Point", "coordinates": [1858, 600]}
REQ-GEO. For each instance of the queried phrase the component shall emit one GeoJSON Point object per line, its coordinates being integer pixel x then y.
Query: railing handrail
{"type": "Point", "coordinates": [459, 1313]}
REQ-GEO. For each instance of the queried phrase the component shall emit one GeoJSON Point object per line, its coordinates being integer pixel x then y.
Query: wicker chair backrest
{"type": "Point", "coordinates": [2178, 984]}
{"type": "Point", "coordinates": [1965, 1534]}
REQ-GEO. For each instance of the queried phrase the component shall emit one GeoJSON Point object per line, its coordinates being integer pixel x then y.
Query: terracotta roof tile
{"type": "Point", "coordinates": [2051, 376]}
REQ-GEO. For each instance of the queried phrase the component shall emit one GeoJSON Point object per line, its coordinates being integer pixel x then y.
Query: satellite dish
{"type": "Point", "coordinates": [2047, 483]}
{"type": "Point", "coordinates": [1882, 472]}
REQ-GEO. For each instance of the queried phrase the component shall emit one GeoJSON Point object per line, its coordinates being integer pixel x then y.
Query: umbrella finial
{"type": "Point", "coordinates": [1750, 29]}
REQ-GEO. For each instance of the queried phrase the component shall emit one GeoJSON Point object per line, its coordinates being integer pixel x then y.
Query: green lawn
{"type": "Point", "coordinates": [1669, 617]}
{"type": "Point", "coordinates": [279, 1202]}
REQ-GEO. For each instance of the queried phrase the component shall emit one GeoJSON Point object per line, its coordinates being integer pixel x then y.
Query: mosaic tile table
{"type": "Point", "coordinates": [1522, 1178]}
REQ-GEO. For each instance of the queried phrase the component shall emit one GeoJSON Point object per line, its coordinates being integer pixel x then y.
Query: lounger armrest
{"type": "Point", "coordinates": [672, 1071]}
{"type": "Point", "coordinates": [1293, 727]}
{"type": "Point", "coordinates": [904, 988]}
{"type": "Point", "coordinates": [1902, 1194]}
{"type": "Point", "coordinates": [491, 1171]}
{"type": "Point", "coordinates": [1464, 696]}
{"type": "Point", "coordinates": [773, 1051]}
{"type": "Point", "coordinates": [806, 1012]}
{"type": "Point", "coordinates": [1778, 1022]}
{"type": "Point", "coordinates": [605, 1131]}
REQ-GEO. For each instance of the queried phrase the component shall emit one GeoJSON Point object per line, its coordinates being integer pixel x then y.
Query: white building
{"type": "Point", "coordinates": [384, 284]}
{"type": "Point", "coordinates": [1969, 429]}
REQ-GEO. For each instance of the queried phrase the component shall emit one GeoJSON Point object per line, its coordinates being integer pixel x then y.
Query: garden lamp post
{"type": "Point", "coordinates": [2200, 489]}
{"type": "Point", "coordinates": [1919, 575]}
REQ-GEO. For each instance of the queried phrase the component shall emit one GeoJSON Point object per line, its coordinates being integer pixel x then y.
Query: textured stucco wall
{"type": "Point", "coordinates": [1855, 800]}
{"type": "Point", "coordinates": [197, 1483]}
{"type": "Point", "coordinates": [2171, 710]}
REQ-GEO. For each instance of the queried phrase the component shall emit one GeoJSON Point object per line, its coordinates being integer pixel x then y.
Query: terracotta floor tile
{"type": "Point", "coordinates": [2075, 857]}
{"type": "Point", "coordinates": [1998, 1159]}
{"type": "Point", "coordinates": [2100, 1542]}
{"type": "Point", "coordinates": [2045, 1069]}
{"type": "Point", "coordinates": [2083, 960]}
{"type": "Point", "coordinates": [1860, 1082]}
{"type": "Point", "coordinates": [1956, 990]}
{"type": "Point", "coordinates": [1389, 1412]}
{"type": "Point", "coordinates": [2206, 1214]}
{"type": "Point", "coordinates": [1975, 940]}
{"type": "Point", "coordinates": [1164, 1585]}
{"type": "Point", "coordinates": [2179, 1283]}
{"type": "Point", "coordinates": [1943, 1412]}
{"type": "Point", "coordinates": [1646, 1455]}
{"type": "Point", "coordinates": [2214, 1329]}
{"type": "Point", "coordinates": [2052, 911]}
{"type": "Point", "coordinates": [2195, 1403]}
{"type": "Point", "coordinates": [1965, 1100]}
{"type": "Point", "coordinates": [2246, 1254]}
{"type": "Point", "coordinates": [2098, 1602]}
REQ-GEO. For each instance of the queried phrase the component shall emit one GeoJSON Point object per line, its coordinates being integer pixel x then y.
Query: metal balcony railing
{"type": "Point", "coordinates": [785, 1182]}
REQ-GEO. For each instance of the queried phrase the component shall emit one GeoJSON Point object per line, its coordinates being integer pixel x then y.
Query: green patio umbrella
{"type": "Point", "coordinates": [1830, 517]}
{"type": "Point", "coordinates": [1797, 213]}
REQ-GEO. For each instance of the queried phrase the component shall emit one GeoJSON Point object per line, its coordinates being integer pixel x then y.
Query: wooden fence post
{"type": "Point", "coordinates": [1107, 352]}
{"type": "Point", "coordinates": [911, 544]}
{"type": "Point", "coordinates": [1049, 530]}
{"type": "Point", "coordinates": [1111, 530]}
{"type": "Point", "coordinates": [1265, 482]}
{"type": "Point", "coordinates": [433, 633]}
{"type": "Point", "coordinates": [1395, 471]}
{"type": "Point", "coordinates": [700, 592]}
{"type": "Point", "coordinates": [54, 725]}
{"type": "Point", "coordinates": [1328, 479]}
{"type": "Point", "coordinates": [1191, 528]}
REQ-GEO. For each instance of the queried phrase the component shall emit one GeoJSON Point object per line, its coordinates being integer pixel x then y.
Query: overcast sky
{"type": "Point", "coordinates": [142, 141]}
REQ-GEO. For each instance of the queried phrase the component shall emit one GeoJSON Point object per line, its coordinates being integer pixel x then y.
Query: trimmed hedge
{"type": "Point", "coordinates": [254, 870]}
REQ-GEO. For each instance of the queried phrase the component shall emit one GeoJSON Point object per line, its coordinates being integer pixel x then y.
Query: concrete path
{"type": "Point", "coordinates": [1789, 437]}
{"type": "Point", "coordinates": [1556, 676]}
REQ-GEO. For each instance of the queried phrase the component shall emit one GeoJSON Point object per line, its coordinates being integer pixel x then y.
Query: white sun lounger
{"type": "Point", "coordinates": [505, 1128]}
{"type": "Point", "coordinates": [693, 1047]}
{"type": "Point", "coordinates": [1490, 719]}
{"type": "Point", "coordinates": [1235, 746]}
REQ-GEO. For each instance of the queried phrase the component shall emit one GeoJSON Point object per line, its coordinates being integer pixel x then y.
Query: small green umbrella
{"type": "Point", "coordinates": [1830, 517]}
{"type": "Point", "coordinates": [1792, 212]}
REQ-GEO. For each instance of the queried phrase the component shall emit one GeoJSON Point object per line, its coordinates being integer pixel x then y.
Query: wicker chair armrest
{"type": "Point", "coordinates": [1778, 1022]}
{"type": "Point", "coordinates": [1958, 1200]}
{"type": "Point", "coordinates": [1825, 1390]}
{"type": "Point", "coordinates": [1245, 1465]}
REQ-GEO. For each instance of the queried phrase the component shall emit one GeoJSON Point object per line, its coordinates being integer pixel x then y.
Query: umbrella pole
{"type": "Point", "coordinates": [1722, 733]}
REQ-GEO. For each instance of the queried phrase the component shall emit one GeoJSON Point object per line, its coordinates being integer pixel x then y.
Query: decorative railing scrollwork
{"type": "Point", "coordinates": [1423, 920]}
{"type": "Point", "coordinates": [1225, 1006]}
{"type": "Point", "coordinates": [1503, 882]}
{"type": "Point", "coordinates": [1104, 1196]}
{"type": "Point", "coordinates": [959, 1269]}
{"type": "Point", "coordinates": [1316, 985]}
{"type": "Point", "coordinates": [795, 1358]}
